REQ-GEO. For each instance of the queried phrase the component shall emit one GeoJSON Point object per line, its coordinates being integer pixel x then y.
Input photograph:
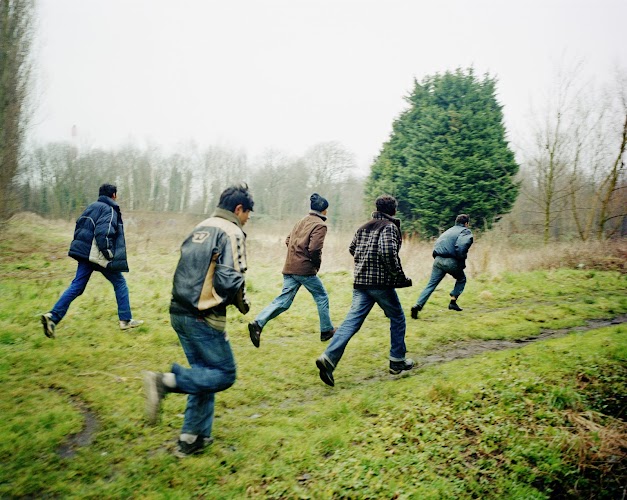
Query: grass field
{"type": "Point", "coordinates": [546, 420]}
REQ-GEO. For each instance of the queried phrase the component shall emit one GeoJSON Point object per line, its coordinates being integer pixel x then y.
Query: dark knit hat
{"type": "Point", "coordinates": [318, 203]}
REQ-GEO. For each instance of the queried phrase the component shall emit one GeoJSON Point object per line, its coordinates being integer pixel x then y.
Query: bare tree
{"type": "Point", "coordinates": [16, 34]}
{"type": "Point", "coordinates": [598, 165]}
{"type": "Point", "coordinates": [553, 153]}
{"type": "Point", "coordinates": [611, 183]}
{"type": "Point", "coordinates": [219, 167]}
{"type": "Point", "coordinates": [328, 163]}
{"type": "Point", "coordinates": [575, 166]}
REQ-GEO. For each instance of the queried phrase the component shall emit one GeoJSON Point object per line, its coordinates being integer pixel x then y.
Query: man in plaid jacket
{"type": "Point", "coordinates": [378, 272]}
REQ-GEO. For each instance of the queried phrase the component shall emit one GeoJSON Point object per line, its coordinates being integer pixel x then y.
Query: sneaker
{"type": "Point", "coordinates": [326, 370]}
{"type": "Point", "coordinates": [397, 367]}
{"type": "Point", "coordinates": [324, 336]}
{"type": "Point", "coordinates": [255, 333]}
{"type": "Point", "coordinates": [48, 324]}
{"type": "Point", "coordinates": [184, 449]}
{"type": "Point", "coordinates": [415, 310]}
{"type": "Point", "coordinates": [453, 306]}
{"type": "Point", "coordinates": [155, 391]}
{"type": "Point", "coordinates": [131, 323]}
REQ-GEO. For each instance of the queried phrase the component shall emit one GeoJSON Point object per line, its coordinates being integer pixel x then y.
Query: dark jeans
{"type": "Point", "coordinates": [363, 302]}
{"type": "Point", "coordinates": [291, 285]}
{"type": "Point", "coordinates": [442, 267]}
{"type": "Point", "coordinates": [212, 370]}
{"type": "Point", "coordinates": [79, 283]}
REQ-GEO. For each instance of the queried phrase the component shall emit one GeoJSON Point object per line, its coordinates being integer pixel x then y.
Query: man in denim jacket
{"type": "Point", "coordinates": [450, 253]}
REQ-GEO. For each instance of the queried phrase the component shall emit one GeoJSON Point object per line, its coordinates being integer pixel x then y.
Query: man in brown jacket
{"type": "Point", "coordinates": [304, 256]}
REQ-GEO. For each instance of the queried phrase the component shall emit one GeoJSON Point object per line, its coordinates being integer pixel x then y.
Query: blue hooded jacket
{"type": "Point", "coordinates": [101, 220]}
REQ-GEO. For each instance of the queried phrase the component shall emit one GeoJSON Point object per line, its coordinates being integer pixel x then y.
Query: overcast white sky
{"type": "Point", "coordinates": [286, 74]}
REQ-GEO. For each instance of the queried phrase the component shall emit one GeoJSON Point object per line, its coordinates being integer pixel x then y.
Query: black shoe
{"type": "Point", "coordinates": [184, 449]}
{"type": "Point", "coordinates": [326, 371]}
{"type": "Point", "coordinates": [155, 391]}
{"type": "Point", "coordinates": [48, 324]}
{"type": "Point", "coordinates": [397, 367]}
{"type": "Point", "coordinates": [453, 306]}
{"type": "Point", "coordinates": [324, 336]}
{"type": "Point", "coordinates": [415, 310]}
{"type": "Point", "coordinates": [255, 333]}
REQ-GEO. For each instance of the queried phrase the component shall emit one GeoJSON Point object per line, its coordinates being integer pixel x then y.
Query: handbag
{"type": "Point", "coordinates": [96, 256]}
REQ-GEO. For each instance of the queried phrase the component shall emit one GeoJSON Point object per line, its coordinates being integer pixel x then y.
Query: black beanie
{"type": "Point", "coordinates": [318, 203]}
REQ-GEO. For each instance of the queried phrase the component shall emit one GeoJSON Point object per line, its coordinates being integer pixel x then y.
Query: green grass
{"type": "Point", "coordinates": [542, 421]}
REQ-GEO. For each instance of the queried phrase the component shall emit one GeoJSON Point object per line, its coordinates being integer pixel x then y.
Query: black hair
{"type": "Point", "coordinates": [386, 204]}
{"type": "Point", "coordinates": [462, 219]}
{"type": "Point", "coordinates": [236, 195]}
{"type": "Point", "coordinates": [107, 190]}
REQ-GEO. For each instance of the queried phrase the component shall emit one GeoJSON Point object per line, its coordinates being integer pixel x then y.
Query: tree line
{"type": "Point", "coordinates": [59, 179]}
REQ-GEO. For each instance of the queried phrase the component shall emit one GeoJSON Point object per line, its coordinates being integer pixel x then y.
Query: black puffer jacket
{"type": "Point", "coordinates": [102, 220]}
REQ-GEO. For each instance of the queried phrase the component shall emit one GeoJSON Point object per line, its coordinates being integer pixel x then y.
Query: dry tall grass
{"type": "Point", "coordinates": [492, 254]}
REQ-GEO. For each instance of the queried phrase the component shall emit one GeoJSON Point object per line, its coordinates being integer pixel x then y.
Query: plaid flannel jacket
{"type": "Point", "coordinates": [375, 248]}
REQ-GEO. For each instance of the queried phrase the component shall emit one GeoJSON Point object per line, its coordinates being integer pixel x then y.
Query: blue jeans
{"type": "Point", "coordinates": [79, 283]}
{"type": "Point", "coordinates": [363, 301]}
{"type": "Point", "coordinates": [209, 354]}
{"type": "Point", "coordinates": [291, 284]}
{"type": "Point", "coordinates": [442, 267]}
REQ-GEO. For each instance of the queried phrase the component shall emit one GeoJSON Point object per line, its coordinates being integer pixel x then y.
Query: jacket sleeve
{"type": "Point", "coordinates": [228, 279]}
{"type": "Point", "coordinates": [106, 230]}
{"type": "Point", "coordinates": [388, 248]}
{"type": "Point", "coordinates": [353, 246]}
{"type": "Point", "coordinates": [463, 244]}
{"type": "Point", "coordinates": [316, 242]}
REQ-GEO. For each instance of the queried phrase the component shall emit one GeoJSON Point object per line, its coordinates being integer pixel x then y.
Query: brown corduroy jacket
{"type": "Point", "coordinates": [304, 245]}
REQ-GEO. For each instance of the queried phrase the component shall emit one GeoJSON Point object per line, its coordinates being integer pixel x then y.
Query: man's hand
{"type": "Point", "coordinates": [241, 300]}
{"type": "Point", "coordinates": [404, 282]}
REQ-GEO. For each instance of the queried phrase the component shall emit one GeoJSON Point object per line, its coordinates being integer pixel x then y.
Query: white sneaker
{"type": "Point", "coordinates": [131, 323]}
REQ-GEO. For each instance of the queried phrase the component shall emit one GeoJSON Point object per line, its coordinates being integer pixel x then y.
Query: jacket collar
{"type": "Point", "coordinates": [109, 201]}
{"type": "Point", "coordinates": [317, 214]}
{"type": "Point", "coordinates": [228, 215]}
{"type": "Point", "coordinates": [381, 215]}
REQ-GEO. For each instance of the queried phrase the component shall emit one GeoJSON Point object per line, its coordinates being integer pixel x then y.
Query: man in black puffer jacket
{"type": "Point", "coordinates": [450, 253]}
{"type": "Point", "coordinates": [98, 245]}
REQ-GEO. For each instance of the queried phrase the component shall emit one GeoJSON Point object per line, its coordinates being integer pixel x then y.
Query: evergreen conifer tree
{"type": "Point", "coordinates": [448, 154]}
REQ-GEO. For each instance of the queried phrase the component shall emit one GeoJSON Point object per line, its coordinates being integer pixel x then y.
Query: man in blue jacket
{"type": "Point", "coordinates": [450, 253]}
{"type": "Point", "coordinates": [98, 245]}
{"type": "Point", "coordinates": [209, 277]}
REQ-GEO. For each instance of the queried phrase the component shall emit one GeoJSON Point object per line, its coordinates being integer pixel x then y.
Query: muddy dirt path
{"type": "Point", "coordinates": [469, 348]}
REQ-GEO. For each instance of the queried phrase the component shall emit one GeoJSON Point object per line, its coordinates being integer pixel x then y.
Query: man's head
{"type": "Point", "coordinates": [318, 203]}
{"type": "Point", "coordinates": [462, 219]}
{"type": "Point", "coordinates": [108, 190]}
{"type": "Point", "coordinates": [386, 204]}
{"type": "Point", "coordinates": [237, 199]}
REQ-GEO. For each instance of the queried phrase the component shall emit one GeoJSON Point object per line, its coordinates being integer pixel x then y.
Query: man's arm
{"type": "Point", "coordinates": [106, 230]}
{"type": "Point", "coordinates": [316, 242]}
{"type": "Point", "coordinates": [463, 244]}
{"type": "Point", "coordinates": [388, 247]}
